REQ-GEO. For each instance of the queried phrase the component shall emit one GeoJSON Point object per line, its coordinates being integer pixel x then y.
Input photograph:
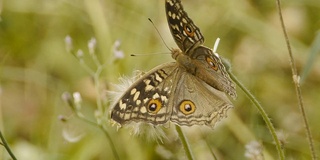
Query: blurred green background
{"type": "Point", "coordinates": [36, 69]}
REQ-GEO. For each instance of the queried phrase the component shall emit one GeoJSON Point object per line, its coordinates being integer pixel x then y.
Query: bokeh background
{"type": "Point", "coordinates": [36, 69]}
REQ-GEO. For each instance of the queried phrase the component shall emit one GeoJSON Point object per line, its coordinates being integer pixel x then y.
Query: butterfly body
{"type": "Point", "coordinates": [187, 92]}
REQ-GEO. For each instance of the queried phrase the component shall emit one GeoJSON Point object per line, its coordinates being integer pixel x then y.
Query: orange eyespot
{"type": "Point", "coordinates": [212, 63]}
{"type": "Point", "coordinates": [189, 30]}
{"type": "Point", "coordinates": [154, 106]}
{"type": "Point", "coordinates": [187, 107]}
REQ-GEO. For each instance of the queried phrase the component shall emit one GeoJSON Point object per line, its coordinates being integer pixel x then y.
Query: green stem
{"type": "Point", "coordinates": [185, 143]}
{"type": "Point", "coordinates": [100, 107]}
{"type": "Point", "coordinates": [263, 114]}
{"type": "Point", "coordinates": [113, 148]}
{"type": "Point", "coordinates": [97, 88]}
{"type": "Point", "coordinates": [209, 147]}
{"type": "Point", "coordinates": [5, 144]}
{"type": "Point", "coordinates": [96, 76]}
{"type": "Point", "coordinates": [297, 85]}
{"type": "Point", "coordinates": [115, 153]}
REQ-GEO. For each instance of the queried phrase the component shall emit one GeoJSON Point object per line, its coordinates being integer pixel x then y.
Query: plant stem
{"type": "Point", "coordinates": [5, 144]}
{"type": "Point", "coordinates": [115, 153]}
{"type": "Point", "coordinates": [96, 77]}
{"type": "Point", "coordinates": [297, 84]}
{"type": "Point", "coordinates": [185, 143]}
{"type": "Point", "coordinates": [263, 114]}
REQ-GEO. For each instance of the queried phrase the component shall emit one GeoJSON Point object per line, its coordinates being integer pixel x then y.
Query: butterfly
{"type": "Point", "coordinates": [190, 91]}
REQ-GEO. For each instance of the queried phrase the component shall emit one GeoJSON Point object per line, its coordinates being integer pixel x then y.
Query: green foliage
{"type": "Point", "coordinates": [36, 69]}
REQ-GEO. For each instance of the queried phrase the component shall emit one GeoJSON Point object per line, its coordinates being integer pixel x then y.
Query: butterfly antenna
{"type": "Point", "coordinates": [161, 39]}
{"type": "Point", "coordinates": [148, 54]}
{"type": "Point", "coordinates": [159, 33]}
{"type": "Point", "coordinates": [215, 47]}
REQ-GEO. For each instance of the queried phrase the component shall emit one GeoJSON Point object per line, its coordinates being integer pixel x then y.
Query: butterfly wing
{"type": "Point", "coordinates": [169, 92]}
{"type": "Point", "coordinates": [195, 102]}
{"type": "Point", "coordinates": [185, 33]}
{"type": "Point", "coordinates": [181, 92]}
{"type": "Point", "coordinates": [147, 100]}
{"type": "Point", "coordinates": [204, 63]}
{"type": "Point", "coordinates": [211, 70]}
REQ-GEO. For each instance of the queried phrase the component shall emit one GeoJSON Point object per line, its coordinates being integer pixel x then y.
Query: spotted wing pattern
{"type": "Point", "coordinates": [169, 93]}
{"type": "Point", "coordinates": [205, 64]}
{"type": "Point", "coordinates": [187, 92]}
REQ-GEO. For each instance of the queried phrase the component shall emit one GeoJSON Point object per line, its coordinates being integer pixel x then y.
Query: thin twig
{"type": "Point", "coordinates": [5, 144]}
{"type": "Point", "coordinates": [96, 76]}
{"type": "Point", "coordinates": [297, 84]}
{"type": "Point", "coordinates": [100, 107]}
{"type": "Point", "coordinates": [185, 143]}
{"type": "Point", "coordinates": [209, 147]}
{"type": "Point", "coordinates": [115, 153]}
{"type": "Point", "coordinates": [263, 114]}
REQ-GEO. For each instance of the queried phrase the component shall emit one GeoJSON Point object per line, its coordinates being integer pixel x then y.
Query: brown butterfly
{"type": "Point", "coordinates": [190, 91]}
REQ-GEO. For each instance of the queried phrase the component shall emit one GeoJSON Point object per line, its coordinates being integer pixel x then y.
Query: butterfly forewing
{"type": "Point", "coordinates": [186, 34]}
{"type": "Point", "coordinates": [205, 64]}
{"type": "Point", "coordinates": [147, 99]}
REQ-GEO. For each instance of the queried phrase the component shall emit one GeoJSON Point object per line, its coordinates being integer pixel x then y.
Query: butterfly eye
{"type": "Point", "coordinates": [189, 30]}
{"type": "Point", "coordinates": [187, 107]}
{"type": "Point", "coordinates": [154, 106]}
{"type": "Point", "coordinates": [212, 63]}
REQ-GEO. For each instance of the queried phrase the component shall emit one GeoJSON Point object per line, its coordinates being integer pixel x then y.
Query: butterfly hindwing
{"type": "Point", "coordinates": [195, 102]}
{"type": "Point", "coordinates": [175, 95]}
{"type": "Point", "coordinates": [211, 70]}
